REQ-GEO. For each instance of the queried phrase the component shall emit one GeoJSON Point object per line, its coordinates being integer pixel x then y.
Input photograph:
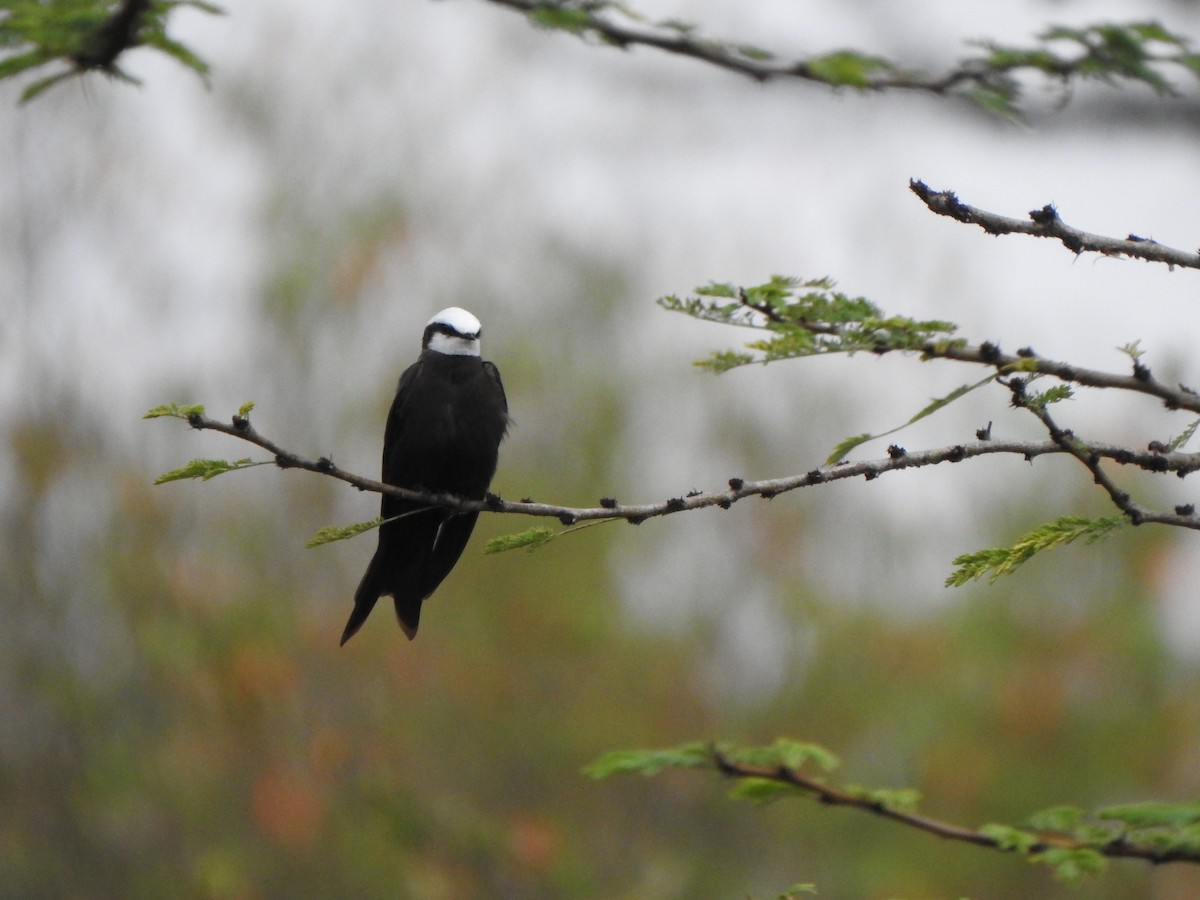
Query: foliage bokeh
{"type": "Point", "coordinates": [180, 720]}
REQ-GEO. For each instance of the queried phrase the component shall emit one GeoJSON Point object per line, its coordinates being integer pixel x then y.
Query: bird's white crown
{"type": "Point", "coordinates": [453, 331]}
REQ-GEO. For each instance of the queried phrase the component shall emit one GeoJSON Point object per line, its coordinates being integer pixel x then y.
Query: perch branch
{"type": "Point", "coordinates": [737, 488]}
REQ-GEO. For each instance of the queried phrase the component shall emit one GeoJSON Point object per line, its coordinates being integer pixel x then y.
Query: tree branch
{"type": "Point", "coordinates": [1118, 847]}
{"type": "Point", "coordinates": [1142, 381]}
{"type": "Point", "coordinates": [737, 489]}
{"type": "Point", "coordinates": [1108, 53]}
{"type": "Point", "coordinates": [1046, 223]}
{"type": "Point", "coordinates": [1066, 439]}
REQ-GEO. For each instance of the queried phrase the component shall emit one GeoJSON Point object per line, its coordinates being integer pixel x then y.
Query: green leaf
{"type": "Point", "coordinates": [1153, 815]}
{"type": "Point", "coordinates": [756, 53]}
{"type": "Point", "coordinates": [175, 410]}
{"type": "Point", "coordinates": [244, 409]}
{"type": "Point", "coordinates": [1005, 560]}
{"type": "Point", "coordinates": [785, 753]}
{"type": "Point", "coordinates": [899, 799]}
{"type": "Point", "coordinates": [651, 762]}
{"type": "Point", "coordinates": [1176, 442]}
{"type": "Point", "coordinates": [44, 84]}
{"type": "Point", "coordinates": [576, 21]}
{"type": "Point", "coordinates": [1071, 864]}
{"type": "Point", "coordinates": [1048, 396]}
{"type": "Point", "coordinates": [762, 790]}
{"type": "Point", "coordinates": [1063, 819]}
{"type": "Point", "coordinates": [846, 68]}
{"type": "Point", "coordinates": [1015, 840]}
{"type": "Point", "coordinates": [531, 540]}
{"type": "Point", "coordinates": [840, 451]}
{"type": "Point", "coordinates": [19, 63]}
{"type": "Point", "coordinates": [1132, 350]}
{"type": "Point", "coordinates": [207, 468]}
{"type": "Point", "coordinates": [796, 754]}
{"type": "Point", "coordinates": [178, 52]}
{"type": "Point", "coordinates": [805, 318]}
{"type": "Point", "coordinates": [332, 533]}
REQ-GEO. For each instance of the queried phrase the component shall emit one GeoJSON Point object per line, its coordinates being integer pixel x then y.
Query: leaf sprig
{"type": "Point", "coordinates": [805, 318]}
{"type": "Point", "coordinates": [1004, 560]}
{"type": "Point", "coordinates": [1071, 842]}
{"type": "Point", "coordinates": [88, 35]}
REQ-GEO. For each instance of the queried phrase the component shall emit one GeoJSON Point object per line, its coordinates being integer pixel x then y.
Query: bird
{"type": "Point", "coordinates": [443, 436]}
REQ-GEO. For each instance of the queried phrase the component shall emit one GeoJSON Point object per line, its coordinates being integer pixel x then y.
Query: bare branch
{"type": "Point", "coordinates": [1118, 847]}
{"type": "Point", "coordinates": [1142, 381]}
{"type": "Point", "coordinates": [737, 489]}
{"type": "Point", "coordinates": [1045, 223]}
{"type": "Point", "coordinates": [1066, 439]}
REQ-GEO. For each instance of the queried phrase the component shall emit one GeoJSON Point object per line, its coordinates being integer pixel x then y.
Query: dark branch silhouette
{"type": "Point", "coordinates": [1046, 223]}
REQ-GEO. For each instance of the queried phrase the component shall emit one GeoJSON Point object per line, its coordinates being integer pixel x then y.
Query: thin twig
{"type": "Point", "coordinates": [1066, 439]}
{"type": "Point", "coordinates": [1046, 223]}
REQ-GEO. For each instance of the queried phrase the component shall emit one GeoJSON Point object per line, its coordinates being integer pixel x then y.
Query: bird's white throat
{"type": "Point", "coordinates": [453, 344]}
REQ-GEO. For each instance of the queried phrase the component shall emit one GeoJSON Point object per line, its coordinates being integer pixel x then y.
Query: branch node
{"type": "Point", "coordinates": [1047, 215]}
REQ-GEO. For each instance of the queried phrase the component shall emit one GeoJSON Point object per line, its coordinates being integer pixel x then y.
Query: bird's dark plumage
{"type": "Point", "coordinates": [443, 435]}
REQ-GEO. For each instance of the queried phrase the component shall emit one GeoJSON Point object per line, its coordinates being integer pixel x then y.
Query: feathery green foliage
{"type": "Point", "coordinates": [1137, 53]}
{"type": "Point", "coordinates": [331, 533]}
{"type": "Point", "coordinates": [87, 35]}
{"type": "Point", "coordinates": [205, 469]}
{"type": "Point", "coordinates": [806, 318]}
{"type": "Point", "coordinates": [1183, 437]}
{"type": "Point", "coordinates": [1004, 560]}
{"type": "Point", "coordinates": [175, 410]}
{"type": "Point", "coordinates": [650, 762]}
{"type": "Point", "coordinates": [532, 539]}
{"type": "Point", "coordinates": [839, 452]}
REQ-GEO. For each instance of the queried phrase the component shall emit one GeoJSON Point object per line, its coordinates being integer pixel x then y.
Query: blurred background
{"type": "Point", "coordinates": [177, 716]}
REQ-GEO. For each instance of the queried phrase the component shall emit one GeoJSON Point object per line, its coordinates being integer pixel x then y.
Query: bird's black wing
{"type": "Point", "coordinates": [375, 582]}
{"type": "Point", "coordinates": [494, 374]}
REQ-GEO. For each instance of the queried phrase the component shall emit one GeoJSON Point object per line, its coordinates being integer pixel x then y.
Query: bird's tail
{"type": "Point", "coordinates": [369, 591]}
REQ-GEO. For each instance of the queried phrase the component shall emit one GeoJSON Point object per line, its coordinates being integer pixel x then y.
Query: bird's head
{"type": "Point", "coordinates": [453, 331]}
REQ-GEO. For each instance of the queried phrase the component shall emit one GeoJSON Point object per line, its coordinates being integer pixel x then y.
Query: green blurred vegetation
{"type": "Point", "coordinates": [188, 726]}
